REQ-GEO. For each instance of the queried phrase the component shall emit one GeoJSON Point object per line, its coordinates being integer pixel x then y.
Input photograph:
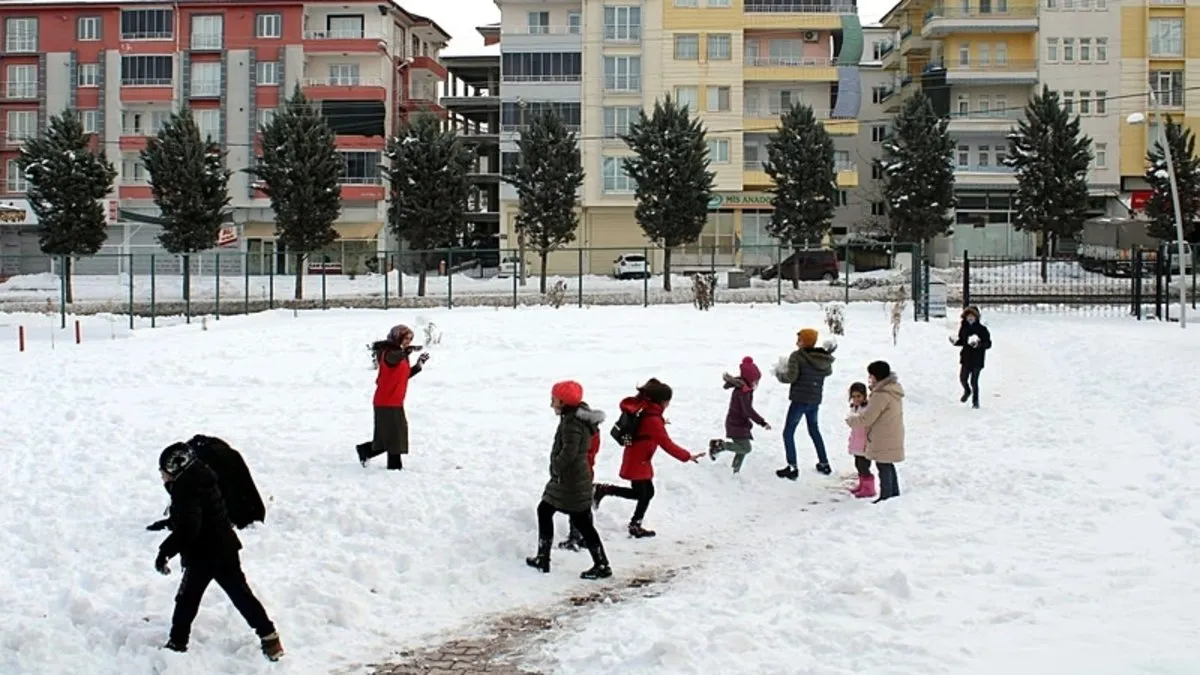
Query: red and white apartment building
{"type": "Point", "coordinates": [126, 66]}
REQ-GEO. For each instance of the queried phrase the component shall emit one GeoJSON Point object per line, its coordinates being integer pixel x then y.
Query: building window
{"type": "Point", "coordinates": [618, 118]}
{"type": "Point", "coordinates": [878, 209]}
{"type": "Point", "coordinates": [133, 171]}
{"type": "Point", "coordinates": [88, 75]}
{"type": "Point", "coordinates": [207, 32]}
{"type": "Point", "coordinates": [515, 116]}
{"type": "Point", "coordinates": [843, 198]}
{"type": "Point", "coordinates": [1001, 53]}
{"type": "Point", "coordinates": [964, 54]}
{"type": "Point", "coordinates": [22, 82]}
{"type": "Point", "coordinates": [268, 26]}
{"type": "Point", "coordinates": [206, 79]}
{"type": "Point", "coordinates": [616, 181]}
{"type": "Point", "coordinates": [147, 71]}
{"type": "Point", "coordinates": [718, 3]}
{"type": "Point", "coordinates": [841, 160]}
{"type": "Point", "coordinates": [1085, 50]}
{"type": "Point", "coordinates": [687, 3]}
{"type": "Point", "coordinates": [1166, 37]}
{"type": "Point", "coordinates": [876, 171]}
{"type": "Point", "coordinates": [964, 156]}
{"type": "Point", "coordinates": [1085, 102]}
{"type": "Point", "coordinates": [509, 163]}
{"type": "Point", "coordinates": [90, 119]}
{"type": "Point", "coordinates": [718, 150]}
{"type": "Point", "coordinates": [623, 73]}
{"type": "Point", "coordinates": [147, 24]}
{"type": "Point", "coordinates": [268, 73]}
{"type": "Point", "coordinates": [21, 36]}
{"type": "Point", "coordinates": [1167, 87]}
{"type": "Point", "coordinates": [719, 99]}
{"type": "Point", "coordinates": [344, 27]}
{"type": "Point", "coordinates": [1100, 155]}
{"type": "Point", "coordinates": [538, 23]}
{"type": "Point", "coordinates": [1068, 99]}
{"type": "Point", "coordinates": [22, 125]}
{"type": "Point", "coordinates": [623, 23]}
{"type": "Point", "coordinates": [343, 74]}
{"type": "Point", "coordinates": [360, 168]}
{"type": "Point", "coordinates": [16, 178]}
{"type": "Point", "coordinates": [1068, 51]}
{"type": "Point", "coordinates": [87, 28]}
{"type": "Point", "coordinates": [147, 123]}
{"type": "Point", "coordinates": [687, 47]}
{"type": "Point", "coordinates": [1101, 50]}
{"type": "Point", "coordinates": [574, 23]}
{"type": "Point", "coordinates": [541, 67]}
{"type": "Point", "coordinates": [719, 47]}
{"type": "Point", "coordinates": [879, 133]}
{"type": "Point", "coordinates": [265, 117]}
{"type": "Point", "coordinates": [208, 121]}
{"type": "Point", "coordinates": [985, 153]}
{"type": "Point", "coordinates": [1051, 50]}
{"type": "Point", "coordinates": [1101, 102]}
{"type": "Point", "coordinates": [688, 97]}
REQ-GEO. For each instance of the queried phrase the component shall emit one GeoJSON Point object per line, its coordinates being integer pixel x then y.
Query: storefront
{"type": "Point", "coordinates": [357, 243]}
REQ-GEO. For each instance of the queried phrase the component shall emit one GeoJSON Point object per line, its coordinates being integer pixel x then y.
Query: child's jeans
{"type": "Point", "coordinates": [740, 447]}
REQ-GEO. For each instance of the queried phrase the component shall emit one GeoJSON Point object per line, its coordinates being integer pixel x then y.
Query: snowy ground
{"type": "Point", "coordinates": [1051, 531]}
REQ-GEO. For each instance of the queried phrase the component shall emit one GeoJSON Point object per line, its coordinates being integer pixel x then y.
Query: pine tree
{"type": "Point", "coordinates": [547, 181]}
{"type": "Point", "coordinates": [428, 173]}
{"type": "Point", "coordinates": [67, 181]}
{"type": "Point", "coordinates": [918, 173]}
{"type": "Point", "coordinates": [189, 183]}
{"type": "Point", "coordinates": [670, 171]}
{"type": "Point", "coordinates": [800, 162]}
{"type": "Point", "coordinates": [1050, 158]}
{"type": "Point", "coordinates": [301, 171]}
{"type": "Point", "coordinates": [1160, 207]}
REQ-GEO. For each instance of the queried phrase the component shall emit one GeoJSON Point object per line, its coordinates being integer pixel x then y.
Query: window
{"type": "Point", "coordinates": [623, 73]}
{"type": "Point", "coordinates": [1001, 53]}
{"type": "Point", "coordinates": [1101, 102]}
{"type": "Point", "coordinates": [1166, 37]}
{"type": "Point", "coordinates": [718, 3]}
{"type": "Point", "coordinates": [207, 31]}
{"type": "Point", "coordinates": [1085, 50]}
{"type": "Point", "coordinates": [514, 115]}
{"type": "Point", "coordinates": [618, 118]}
{"type": "Point", "coordinates": [687, 47]}
{"type": "Point", "coordinates": [1100, 155]}
{"type": "Point", "coordinates": [964, 105]}
{"type": "Point", "coordinates": [360, 168]}
{"type": "Point", "coordinates": [90, 120]}
{"type": "Point", "coordinates": [964, 156]}
{"type": "Point", "coordinates": [21, 36]}
{"type": "Point", "coordinates": [1068, 54]}
{"type": "Point", "coordinates": [985, 55]}
{"type": "Point", "coordinates": [719, 99]}
{"type": "Point", "coordinates": [268, 26]}
{"type": "Point", "coordinates": [1068, 98]}
{"type": "Point", "coordinates": [964, 54]}
{"type": "Point", "coordinates": [343, 74]}
{"type": "Point", "coordinates": [509, 162]}
{"type": "Point", "coordinates": [1002, 106]}
{"type": "Point", "coordinates": [985, 104]}
{"type": "Point", "coordinates": [87, 28]}
{"type": "Point", "coordinates": [267, 73]}
{"type": "Point", "coordinates": [718, 150]}
{"type": "Point", "coordinates": [689, 97]}
{"type": "Point", "coordinates": [16, 178]}
{"type": "Point", "coordinates": [574, 23]}
{"type": "Point", "coordinates": [876, 171]}
{"type": "Point", "coordinates": [146, 71]}
{"type": "Point", "coordinates": [143, 123]}
{"type": "Point", "coordinates": [843, 198]}
{"type": "Point", "coordinates": [22, 125]}
{"type": "Point", "coordinates": [541, 67]}
{"type": "Point", "coordinates": [88, 75]}
{"type": "Point", "coordinates": [687, 3]}
{"type": "Point", "coordinates": [841, 160]}
{"type": "Point", "coordinates": [22, 82]}
{"type": "Point", "coordinates": [985, 156]}
{"type": "Point", "coordinates": [623, 23]}
{"type": "Point", "coordinates": [1051, 4]}
{"type": "Point", "coordinates": [1085, 102]}
{"type": "Point", "coordinates": [133, 171]}
{"type": "Point", "coordinates": [344, 27]}
{"type": "Point", "coordinates": [878, 209]}
{"type": "Point", "coordinates": [1001, 155]}
{"type": "Point", "coordinates": [616, 181]}
{"type": "Point", "coordinates": [1167, 87]}
{"type": "Point", "coordinates": [879, 133]}
{"type": "Point", "coordinates": [265, 117]}
{"type": "Point", "coordinates": [1051, 49]}
{"type": "Point", "coordinates": [1085, 5]}
{"type": "Point", "coordinates": [538, 23]}
{"type": "Point", "coordinates": [208, 121]}
{"type": "Point", "coordinates": [1101, 50]}
{"type": "Point", "coordinates": [719, 47]}
{"type": "Point", "coordinates": [147, 24]}
{"type": "Point", "coordinates": [206, 79]}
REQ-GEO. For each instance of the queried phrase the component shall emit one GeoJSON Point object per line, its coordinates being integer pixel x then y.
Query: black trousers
{"type": "Point", "coordinates": [580, 520]}
{"type": "Point", "coordinates": [641, 491]}
{"type": "Point", "coordinates": [228, 575]}
{"type": "Point", "coordinates": [863, 465]}
{"type": "Point", "coordinates": [889, 485]}
{"type": "Point", "coordinates": [968, 376]}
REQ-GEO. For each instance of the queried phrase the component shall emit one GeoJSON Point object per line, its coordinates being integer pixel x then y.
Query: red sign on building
{"type": "Point", "coordinates": [1138, 199]}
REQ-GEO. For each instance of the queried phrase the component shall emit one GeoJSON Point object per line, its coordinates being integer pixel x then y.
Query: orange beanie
{"type": "Point", "coordinates": [808, 338]}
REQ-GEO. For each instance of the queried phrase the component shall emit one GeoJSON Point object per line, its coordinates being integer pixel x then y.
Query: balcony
{"type": "Point", "coordinates": [346, 88]}
{"type": "Point", "coordinates": [543, 38]}
{"type": "Point", "coordinates": [997, 121]}
{"type": "Point", "coordinates": [430, 66]}
{"type": "Point", "coordinates": [340, 41]}
{"type": "Point", "coordinates": [984, 176]}
{"type": "Point", "coordinates": [1018, 71]}
{"type": "Point", "coordinates": [19, 91]}
{"type": "Point", "coordinates": [767, 119]}
{"type": "Point", "coordinates": [753, 175]}
{"type": "Point", "coordinates": [16, 139]}
{"type": "Point", "coordinates": [790, 69]}
{"type": "Point", "coordinates": [943, 21]}
{"type": "Point", "coordinates": [361, 188]}
{"type": "Point", "coordinates": [796, 14]}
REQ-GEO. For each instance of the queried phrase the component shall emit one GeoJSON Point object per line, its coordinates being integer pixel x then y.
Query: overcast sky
{"type": "Point", "coordinates": [460, 17]}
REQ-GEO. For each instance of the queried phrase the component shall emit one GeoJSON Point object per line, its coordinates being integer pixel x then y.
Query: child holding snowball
{"type": "Point", "coordinates": [975, 339]}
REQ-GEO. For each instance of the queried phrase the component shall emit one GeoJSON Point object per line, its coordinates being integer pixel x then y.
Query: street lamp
{"type": "Point", "coordinates": [1140, 118]}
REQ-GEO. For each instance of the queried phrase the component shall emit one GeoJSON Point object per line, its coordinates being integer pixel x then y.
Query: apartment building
{"type": "Point", "coordinates": [737, 63]}
{"type": "Point", "coordinates": [472, 101]}
{"type": "Point", "coordinates": [980, 61]}
{"type": "Point", "coordinates": [126, 66]}
{"type": "Point", "coordinates": [863, 211]}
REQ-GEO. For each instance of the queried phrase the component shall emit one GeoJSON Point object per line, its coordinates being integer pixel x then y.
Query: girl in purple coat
{"type": "Point", "coordinates": [741, 417]}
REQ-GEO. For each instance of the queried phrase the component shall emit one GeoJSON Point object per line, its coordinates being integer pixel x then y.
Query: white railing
{"type": "Point", "coordinates": [343, 82]}
{"type": "Point", "coordinates": [542, 30]}
{"type": "Point", "coordinates": [148, 82]}
{"type": "Point", "coordinates": [790, 61]}
{"type": "Point", "coordinates": [360, 180]}
{"type": "Point", "coordinates": [805, 7]}
{"type": "Point", "coordinates": [140, 131]}
{"type": "Point", "coordinates": [206, 41]}
{"type": "Point", "coordinates": [541, 78]}
{"type": "Point", "coordinates": [772, 113]}
{"type": "Point", "coordinates": [18, 137]}
{"type": "Point", "coordinates": [341, 34]}
{"type": "Point", "coordinates": [510, 128]}
{"type": "Point", "coordinates": [147, 35]}
{"type": "Point", "coordinates": [21, 44]}
{"type": "Point", "coordinates": [838, 166]}
{"type": "Point", "coordinates": [20, 90]}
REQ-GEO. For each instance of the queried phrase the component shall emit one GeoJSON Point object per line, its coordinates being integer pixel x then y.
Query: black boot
{"type": "Point", "coordinates": [541, 561]}
{"type": "Point", "coordinates": [638, 532]}
{"type": "Point", "coordinates": [824, 468]}
{"type": "Point", "coordinates": [599, 491]}
{"type": "Point", "coordinates": [788, 472]}
{"type": "Point", "coordinates": [395, 461]}
{"type": "Point", "coordinates": [364, 452]}
{"type": "Point", "coordinates": [600, 568]}
{"type": "Point", "coordinates": [966, 396]}
{"type": "Point", "coordinates": [715, 446]}
{"type": "Point", "coordinates": [573, 542]}
{"type": "Point", "coordinates": [175, 646]}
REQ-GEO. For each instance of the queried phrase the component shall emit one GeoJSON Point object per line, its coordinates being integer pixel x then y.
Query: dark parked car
{"type": "Point", "coordinates": [815, 265]}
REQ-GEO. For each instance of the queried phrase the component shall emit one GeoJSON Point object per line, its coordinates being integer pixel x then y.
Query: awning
{"type": "Point", "coordinates": [346, 231]}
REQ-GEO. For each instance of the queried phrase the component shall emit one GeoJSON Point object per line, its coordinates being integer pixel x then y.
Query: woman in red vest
{"type": "Point", "coordinates": [391, 386]}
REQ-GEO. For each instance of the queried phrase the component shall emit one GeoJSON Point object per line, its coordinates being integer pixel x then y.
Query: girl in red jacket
{"type": "Point", "coordinates": [391, 387]}
{"type": "Point", "coordinates": [651, 434]}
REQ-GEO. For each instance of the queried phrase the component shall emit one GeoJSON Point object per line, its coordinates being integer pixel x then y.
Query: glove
{"type": "Point", "coordinates": [422, 359]}
{"type": "Point", "coordinates": [766, 426]}
{"type": "Point", "coordinates": [159, 525]}
{"type": "Point", "coordinates": [951, 339]}
{"type": "Point", "coordinates": [160, 564]}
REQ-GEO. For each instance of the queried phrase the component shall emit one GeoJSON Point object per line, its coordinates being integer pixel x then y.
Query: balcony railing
{"type": "Point", "coordinates": [140, 131]}
{"type": "Point", "coordinates": [206, 41]}
{"type": "Point", "coordinates": [542, 30]}
{"type": "Point", "coordinates": [507, 77]}
{"type": "Point", "coordinates": [773, 112]}
{"type": "Point", "coordinates": [343, 82]}
{"type": "Point", "coordinates": [147, 82]}
{"type": "Point", "coordinates": [994, 12]}
{"type": "Point", "coordinates": [518, 128]}
{"type": "Point", "coordinates": [341, 34]}
{"type": "Point", "coordinates": [1008, 66]}
{"type": "Point", "coordinates": [905, 33]}
{"type": "Point", "coordinates": [991, 168]}
{"type": "Point", "coordinates": [1003, 114]}
{"type": "Point", "coordinates": [18, 137]}
{"type": "Point", "coordinates": [360, 180]}
{"type": "Point", "coordinates": [20, 90]}
{"type": "Point", "coordinates": [798, 7]}
{"type": "Point", "coordinates": [838, 165]}
{"type": "Point", "coordinates": [789, 61]}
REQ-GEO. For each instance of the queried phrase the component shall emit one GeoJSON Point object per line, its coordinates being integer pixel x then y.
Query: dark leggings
{"type": "Point", "coordinates": [968, 377]}
{"type": "Point", "coordinates": [580, 520]}
{"type": "Point", "coordinates": [889, 485]}
{"type": "Point", "coordinates": [641, 491]}
{"type": "Point", "coordinates": [863, 465]}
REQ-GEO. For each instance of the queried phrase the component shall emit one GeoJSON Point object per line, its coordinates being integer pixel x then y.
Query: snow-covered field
{"type": "Point", "coordinates": [1050, 532]}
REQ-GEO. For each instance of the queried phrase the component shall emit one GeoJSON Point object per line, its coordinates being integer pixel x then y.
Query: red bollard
{"type": "Point", "coordinates": [21, 338]}
{"type": "Point", "coordinates": [78, 333]}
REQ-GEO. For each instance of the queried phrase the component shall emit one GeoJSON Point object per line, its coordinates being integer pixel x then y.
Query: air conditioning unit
{"type": "Point", "coordinates": [811, 36]}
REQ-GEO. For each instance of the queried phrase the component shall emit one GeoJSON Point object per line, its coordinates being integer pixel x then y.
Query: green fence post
{"type": "Point", "coordinates": [187, 300]}
{"type": "Point", "coordinates": [246, 273]}
{"type": "Point", "coordinates": [580, 281]}
{"type": "Point", "coordinates": [449, 281]}
{"type": "Point", "coordinates": [517, 272]}
{"type": "Point", "coordinates": [646, 278]}
{"type": "Point", "coordinates": [62, 289]}
{"type": "Point", "coordinates": [217, 276]}
{"type": "Point", "coordinates": [779, 274]}
{"type": "Point", "coordinates": [130, 291]}
{"type": "Point", "coordinates": [271, 286]}
{"type": "Point", "coordinates": [323, 291]}
{"type": "Point", "coordinates": [387, 262]}
{"type": "Point", "coordinates": [153, 293]}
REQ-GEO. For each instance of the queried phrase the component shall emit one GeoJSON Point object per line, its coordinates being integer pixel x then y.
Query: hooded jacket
{"type": "Point", "coordinates": [805, 374]}
{"type": "Point", "coordinates": [651, 435]}
{"type": "Point", "coordinates": [570, 485]}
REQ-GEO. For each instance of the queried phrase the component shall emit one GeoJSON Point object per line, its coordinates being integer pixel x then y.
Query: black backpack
{"type": "Point", "coordinates": [242, 501]}
{"type": "Point", "coordinates": [624, 431]}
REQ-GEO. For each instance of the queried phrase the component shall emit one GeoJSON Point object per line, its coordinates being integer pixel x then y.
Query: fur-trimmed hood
{"type": "Point", "coordinates": [593, 418]}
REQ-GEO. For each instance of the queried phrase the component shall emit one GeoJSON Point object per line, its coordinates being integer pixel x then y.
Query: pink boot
{"type": "Point", "coordinates": [866, 487]}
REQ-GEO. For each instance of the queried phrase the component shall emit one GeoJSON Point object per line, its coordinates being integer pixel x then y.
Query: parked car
{"type": "Point", "coordinates": [631, 266]}
{"type": "Point", "coordinates": [510, 266]}
{"type": "Point", "coordinates": [815, 265]}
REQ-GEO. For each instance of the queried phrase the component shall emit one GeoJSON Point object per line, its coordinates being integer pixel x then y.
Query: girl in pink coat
{"type": "Point", "coordinates": [858, 445]}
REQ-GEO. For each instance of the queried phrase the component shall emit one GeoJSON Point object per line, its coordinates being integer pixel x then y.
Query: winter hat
{"type": "Point", "coordinates": [569, 392]}
{"type": "Point", "coordinates": [398, 333]}
{"type": "Point", "coordinates": [175, 458]}
{"type": "Point", "coordinates": [749, 372]}
{"type": "Point", "coordinates": [808, 338]}
{"type": "Point", "coordinates": [971, 310]}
